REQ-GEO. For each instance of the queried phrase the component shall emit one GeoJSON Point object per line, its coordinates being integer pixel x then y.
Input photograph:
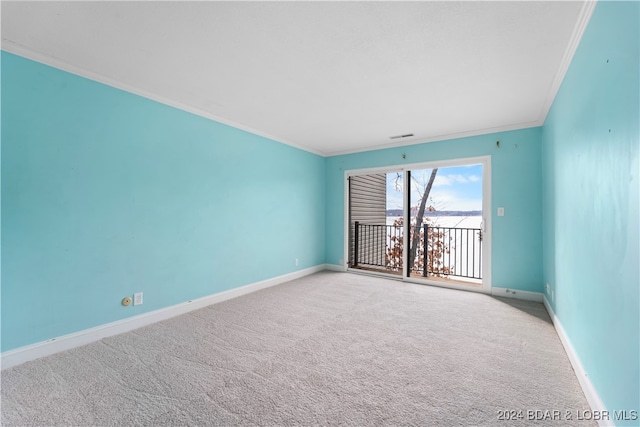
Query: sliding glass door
{"type": "Point", "coordinates": [424, 223]}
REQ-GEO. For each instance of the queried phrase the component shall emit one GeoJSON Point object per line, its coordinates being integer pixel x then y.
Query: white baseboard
{"type": "Point", "coordinates": [66, 342]}
{"type": "Point", "coordinates": [517, 294]}
{"type": "Point", "coordinates": [588, 389]}
{"type": "Point", "coordinates": [334, 267]}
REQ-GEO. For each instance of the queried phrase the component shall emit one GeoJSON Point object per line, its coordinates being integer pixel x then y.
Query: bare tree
{"type": "Point", "coordinates": [426, 251]}
{"type": "Point", "coordinates": [420, 216]}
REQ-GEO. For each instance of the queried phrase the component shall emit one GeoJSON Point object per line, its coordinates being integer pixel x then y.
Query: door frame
{"type": "Point", "coordinates": [485, 161]}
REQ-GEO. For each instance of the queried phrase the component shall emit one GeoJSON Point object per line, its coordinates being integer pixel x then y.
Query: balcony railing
{"type": "Point", "coordinates": [440, 252]}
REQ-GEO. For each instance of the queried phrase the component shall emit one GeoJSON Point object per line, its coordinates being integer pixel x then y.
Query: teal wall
{"type": "Point", "coordinates": [105, 193]}
{"type": "Point", "coordinates": [517, 236]}
{"type": "Point", "coordinates": [590, 197]}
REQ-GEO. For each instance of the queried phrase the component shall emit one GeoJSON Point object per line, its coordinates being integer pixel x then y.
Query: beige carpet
{"type": "Point", "coordinates": [328, 349]}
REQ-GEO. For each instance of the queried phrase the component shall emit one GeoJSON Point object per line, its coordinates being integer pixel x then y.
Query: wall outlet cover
{"type": "Point", "coordinates": [137, 298]}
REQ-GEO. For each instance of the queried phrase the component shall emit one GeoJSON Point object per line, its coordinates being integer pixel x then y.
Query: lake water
{"type": "Point", "coordinates": [449, 221]}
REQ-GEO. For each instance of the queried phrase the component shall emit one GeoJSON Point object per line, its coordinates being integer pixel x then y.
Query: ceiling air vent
{"type": "Point", "coordinates": [407, 135]}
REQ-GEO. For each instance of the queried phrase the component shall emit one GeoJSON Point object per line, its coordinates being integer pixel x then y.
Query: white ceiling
{"type": "Point", "coordinates": [330, 77]}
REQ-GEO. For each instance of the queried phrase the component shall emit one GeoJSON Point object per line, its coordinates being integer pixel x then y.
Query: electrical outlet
{"type": "Point", "coordinates": [137, 298]}
{"type": "Point", "coordinates": [500, 211]}
{"type": "Point", "coordinates": [297, 262]}
{"type": "Point", "coordinates": [548, 288]}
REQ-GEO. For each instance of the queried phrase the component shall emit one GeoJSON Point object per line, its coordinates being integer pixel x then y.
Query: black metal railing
{"type": "Point", "coordinates": [453, 251]}
{"type": "Point", "coordinates": [371, 243]}
{"type": "Point", "coordinates": [441, 251]}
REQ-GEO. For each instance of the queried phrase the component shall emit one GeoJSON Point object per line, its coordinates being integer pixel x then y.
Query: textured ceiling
{"type": "Point", "coordinates": [330, 77]}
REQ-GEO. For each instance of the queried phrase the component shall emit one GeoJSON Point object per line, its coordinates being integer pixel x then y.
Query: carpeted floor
{"type": "Point", "coordinates": [328, 349]}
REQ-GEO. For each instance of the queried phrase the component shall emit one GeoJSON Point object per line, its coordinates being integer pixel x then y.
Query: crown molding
{"type": "Point", "coordinates": [25, 52]}
{"type": "Point", "coordinates": [436, 138]}
{"type": "Point", "coordinates": [574, 41]}
{"type": "Point", "coordinates": [578, 31]}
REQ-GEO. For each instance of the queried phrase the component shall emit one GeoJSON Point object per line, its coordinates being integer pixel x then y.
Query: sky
{"type": "Point", "coordinates": [456, 188]}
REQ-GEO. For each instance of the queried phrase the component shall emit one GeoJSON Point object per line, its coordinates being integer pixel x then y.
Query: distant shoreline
{"type": "Point", "coordinates": [398, 212]}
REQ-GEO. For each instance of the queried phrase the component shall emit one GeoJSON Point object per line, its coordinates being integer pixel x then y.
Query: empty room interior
{"type": "Point", "coordinates": [320, 213]}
